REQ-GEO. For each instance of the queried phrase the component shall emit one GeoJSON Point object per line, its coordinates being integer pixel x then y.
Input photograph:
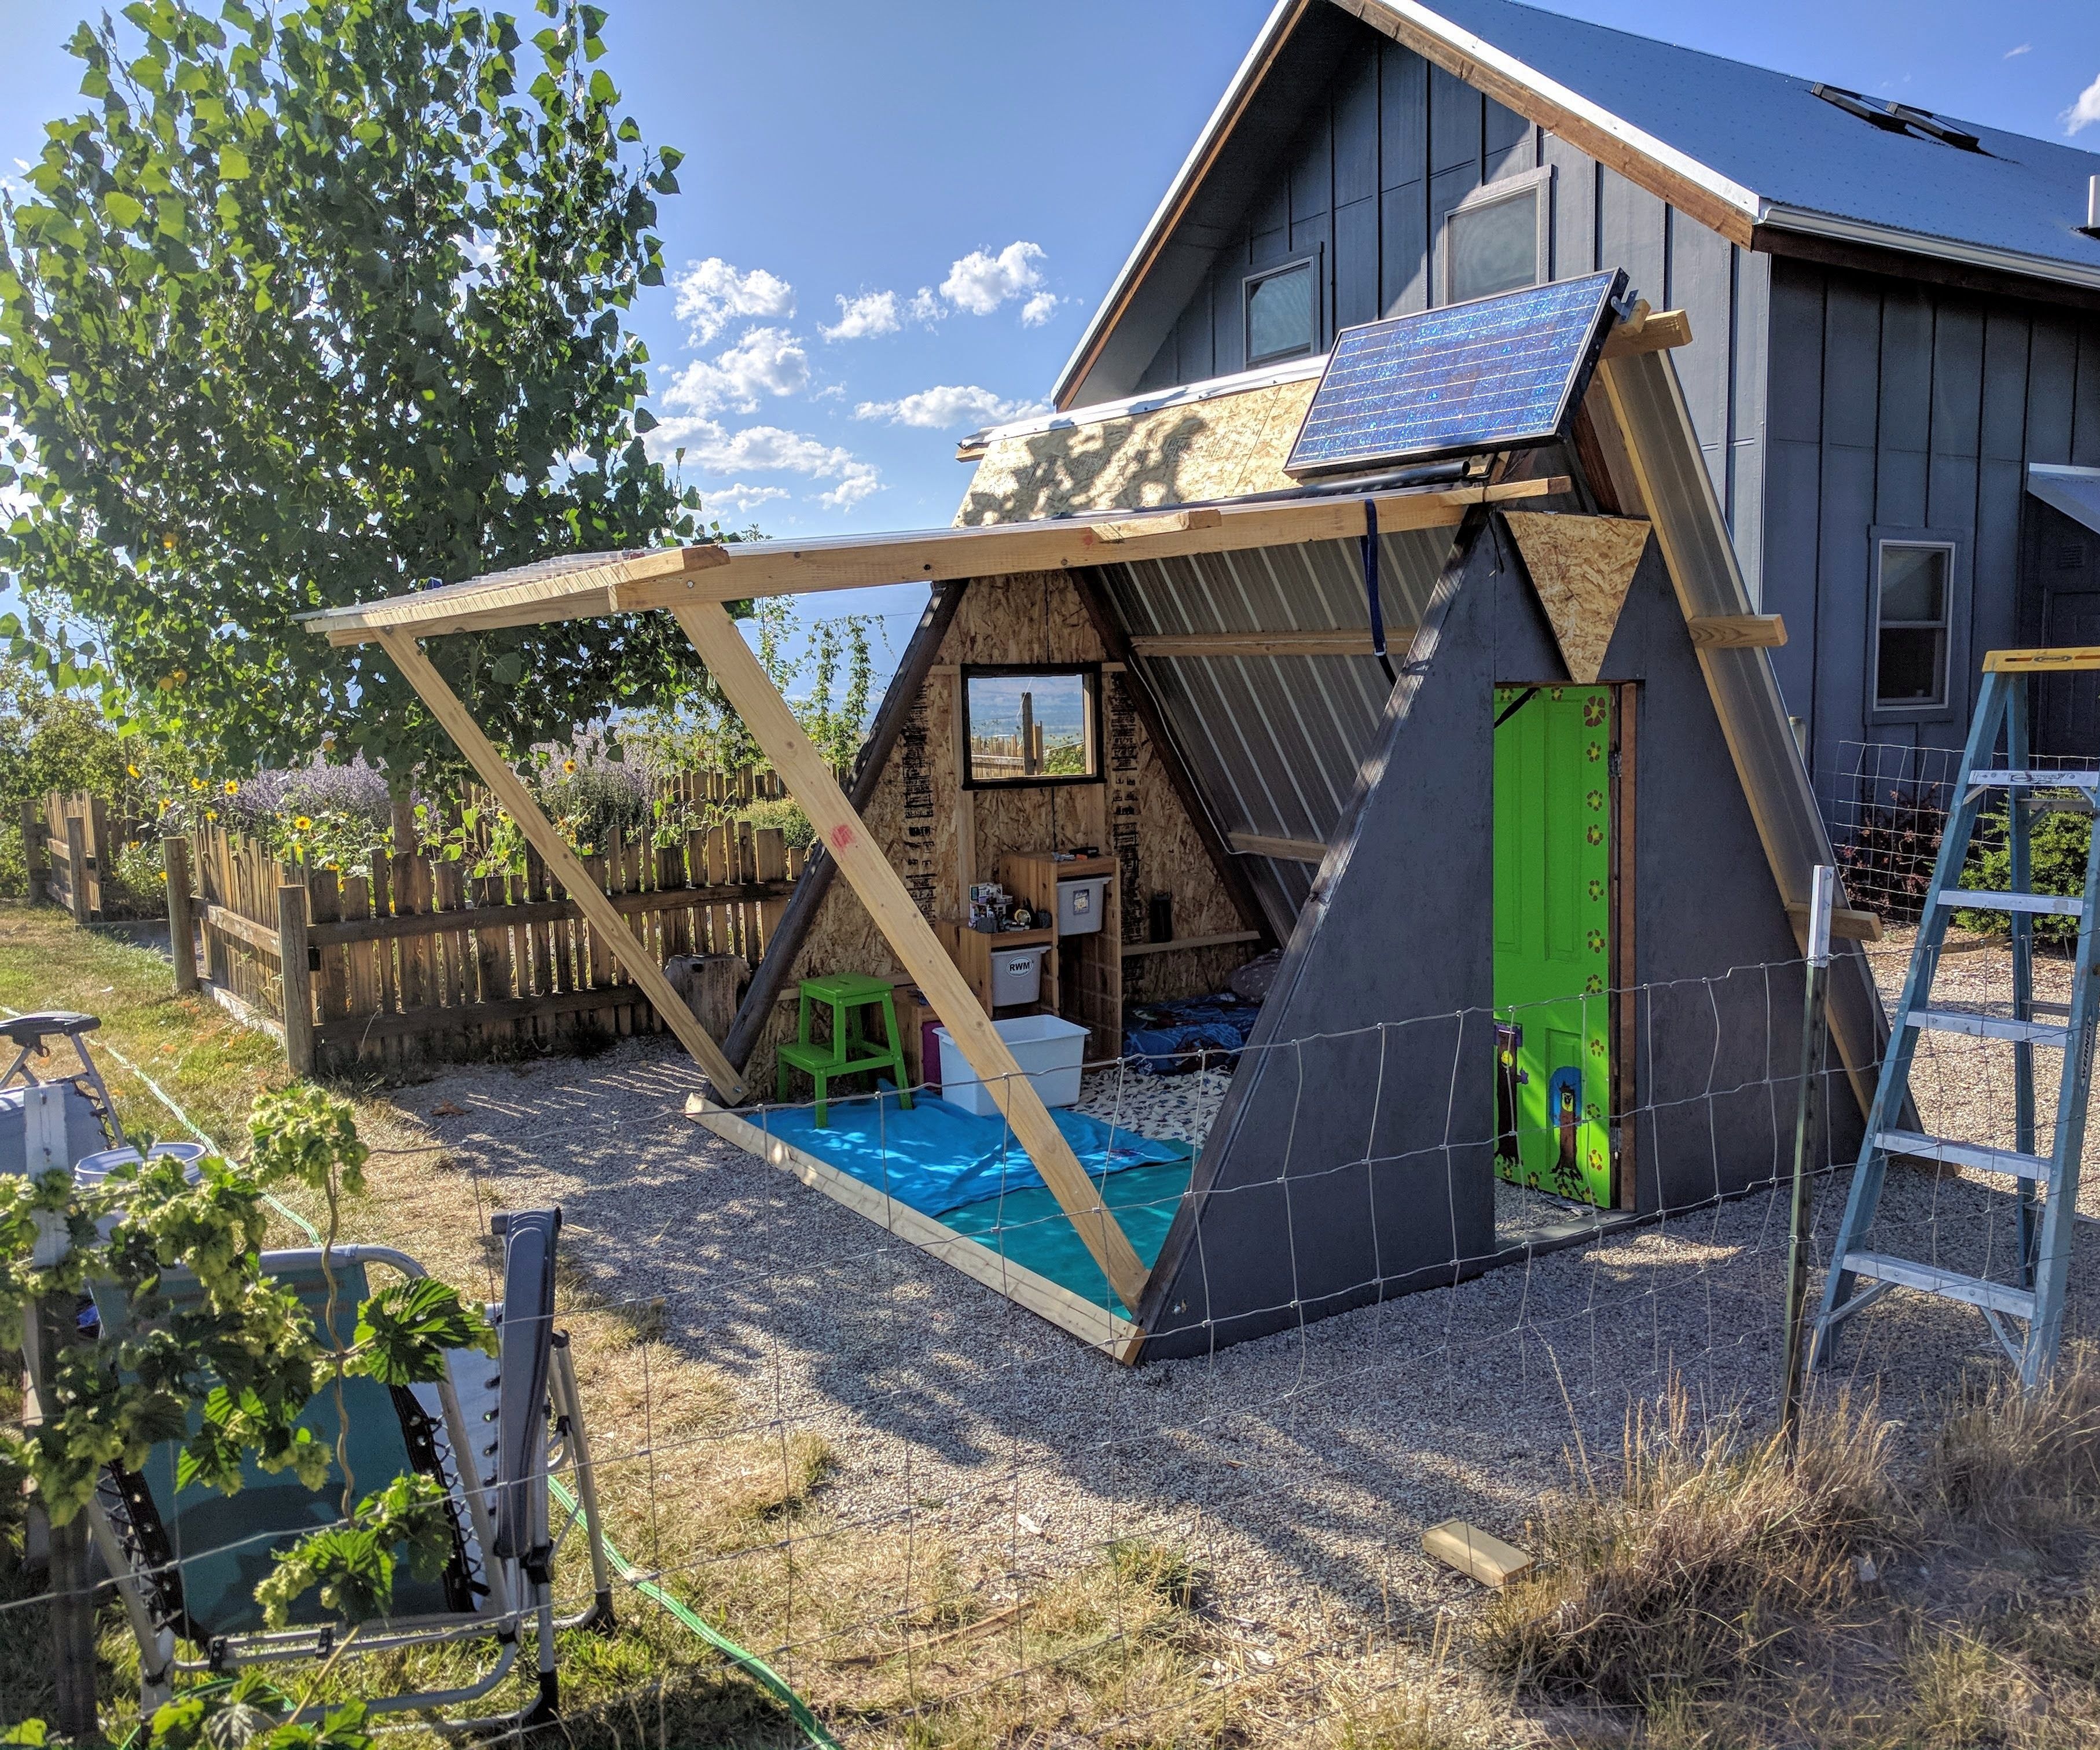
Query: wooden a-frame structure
{"type": "Point", "coordinates": [1641, 459]}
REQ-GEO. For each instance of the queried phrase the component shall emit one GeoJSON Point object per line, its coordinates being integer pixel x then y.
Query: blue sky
{"type": "Point", "coordinates": [895, 219]}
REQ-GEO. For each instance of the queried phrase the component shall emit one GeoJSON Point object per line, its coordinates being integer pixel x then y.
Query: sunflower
{"type": "Point", "coordinates": [196, 783]}
{"type": "Point", "coordinates": [134, 771]}
{"type": "Point", "coordinates": [569, 766]}
{"type": "Point", "coordinates": [303, 824]}
{"type": "Point", "coordinates": [211, 813]}
{"type": "Point", "coordinates": [233, 786]}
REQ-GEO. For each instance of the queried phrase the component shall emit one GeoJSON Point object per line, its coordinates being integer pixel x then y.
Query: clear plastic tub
{"type": "Point", "coordinates": [1048, 1048]}
{"type": "Point", "coordinates": [1016, 974]}
{"type": "Point", "coordinates": [1080, 903]}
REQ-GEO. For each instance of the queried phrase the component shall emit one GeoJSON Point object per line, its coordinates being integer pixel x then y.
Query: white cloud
{"type": "Point", "coordinates": [980, 282]}
{"type": "Point", "coordinates": [2025, 48]}
{"type": "Point", "coordinates": [712, 294]}
{"type": "Point", "coordinates": [924, 306]}
{"type": "Point", "coordinates": [859, 481]}
{"type": "Point", "coordinates": [767, 361]}
{"type": "Point", "coordinates": [870, 313]}
{"type": "Point", "coordinates": [763, 449]}
{"type": "Point", "coordinates": [1036, 312]}
{"type": "Point", "coordinates": [739, 499]}
{"type": "Point", "coordinates": [2085, 112]}
{"type": "Point", "coordinates": [947, 404]}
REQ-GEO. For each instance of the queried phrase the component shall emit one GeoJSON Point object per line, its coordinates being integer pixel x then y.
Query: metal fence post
{"type": "Point", "coordinates": [1815, 1036]}
{"type": "Point", "coordinates": [298, 984]}
{"type": "Point", "coordinates": [182, 942]}
{"type": "Point", "coordinates": [76, 832]}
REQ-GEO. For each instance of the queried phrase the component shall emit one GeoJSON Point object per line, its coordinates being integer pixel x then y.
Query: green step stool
{"type": "Point", "coordinates": [845, 995]}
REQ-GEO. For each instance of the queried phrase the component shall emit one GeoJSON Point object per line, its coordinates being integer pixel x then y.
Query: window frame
{"type": "Point", "coordinates": [1090, 672]}
{"type": "Point", "coordinates": [1953, 701]}
{"type": "Point", "coordinates": [1310, 262]}
{"type": "Point", "coordinates": [1538, 183]}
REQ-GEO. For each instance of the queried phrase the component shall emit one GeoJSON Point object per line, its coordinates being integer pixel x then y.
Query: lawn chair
{"type": "Point", "coordinates": [186, 1561]}
{"type": "Point", "coordinates": [90, 1120]}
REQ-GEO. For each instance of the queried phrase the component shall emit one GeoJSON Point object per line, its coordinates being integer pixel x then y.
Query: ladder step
{"type": "Point", "coordinates": [1972, 900]}
{"type": "Point", "coordinates": [1988, 1026]}
{"type": "Point", "coordinates": [1946, 1149]}
{"type": "Point", "coordinates": [1999, 777]}
{"type": "Point", "coordinates": [1951, 1284]}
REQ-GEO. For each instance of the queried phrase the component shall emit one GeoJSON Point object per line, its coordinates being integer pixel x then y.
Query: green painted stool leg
{"type": "Point", "coordinates": [896, 1051]}
{"type": "Point", "coordinates": [823, 1079]}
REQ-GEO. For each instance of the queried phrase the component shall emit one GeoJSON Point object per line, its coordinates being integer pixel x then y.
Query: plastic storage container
{"type": "Point", "coordinates": [1016, 974]}
{"type": "Point", "coordinates": [1048, 1049]}
{"type": "Point", "coordinates": [1080, 904]}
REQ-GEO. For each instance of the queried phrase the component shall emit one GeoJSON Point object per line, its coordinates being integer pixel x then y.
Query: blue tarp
{"type": "Point", "coordinates": [938, 1157]}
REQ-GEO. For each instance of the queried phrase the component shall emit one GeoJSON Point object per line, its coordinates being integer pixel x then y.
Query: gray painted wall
{"type": "Point", "coordinates": [1899, 405]}
{"type": "Point", "coordinates": [1341, 1168]}
{"type": "Point", "coordinates": [1390, 145]}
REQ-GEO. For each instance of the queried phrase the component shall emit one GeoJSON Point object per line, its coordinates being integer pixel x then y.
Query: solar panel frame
{"type": "Point", "coordinates": [1361, 369]}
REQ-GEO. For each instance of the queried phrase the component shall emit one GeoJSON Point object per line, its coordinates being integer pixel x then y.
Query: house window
{"type": "Point", "coordinates": [1032, 726]}
{"type": "Point", "coordinates": [1494, 240]}
{"type": "Point", "coordinates": [1913, 588]}
{"type": "Point", "coordinates": [1282, 312]}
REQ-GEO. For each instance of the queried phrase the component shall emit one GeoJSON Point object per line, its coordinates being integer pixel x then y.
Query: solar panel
{"type": "Point", "coordinates": [1497, 373]}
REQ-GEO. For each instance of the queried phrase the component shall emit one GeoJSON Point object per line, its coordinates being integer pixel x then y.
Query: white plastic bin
{"type": "Point", "coordinates": [1080, 904]}
{"type": "Point", "coordinates": [1016, 974]}
{"type": "Point", "coordinates": [1048, 1049]}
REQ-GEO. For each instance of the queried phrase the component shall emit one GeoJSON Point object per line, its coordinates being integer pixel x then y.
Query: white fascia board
{"type": "Point", "coordinates": [1262, 376]}
{"type": "Point", "coordinates": [1841, 230]}
{"type": "Point", "coordinates": [1679, 163]}
{"type": "Point", "coordinates": [1221, 118]}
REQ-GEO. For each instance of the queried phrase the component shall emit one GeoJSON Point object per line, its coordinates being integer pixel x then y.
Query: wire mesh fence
{"type": "Point", "coordinates": [941, 1519]}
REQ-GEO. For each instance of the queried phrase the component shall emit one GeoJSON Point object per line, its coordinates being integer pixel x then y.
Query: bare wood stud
{"type": "Point", "coordinates": [736, 670]}
{"type": "Point", "coordinates": [590, 895]}
{"type": "Point", "coordinates": [299, 980]}
{"type": "Point", "coordinates": [182, 940]}
{"type": "Point", "coordinates": [1737, 632]}
{"type": "Point", "coordinates": [76, 832]}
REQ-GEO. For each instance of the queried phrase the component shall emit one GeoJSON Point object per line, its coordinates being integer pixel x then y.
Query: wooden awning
{"type": "Point", "coordinates": [588, 586]}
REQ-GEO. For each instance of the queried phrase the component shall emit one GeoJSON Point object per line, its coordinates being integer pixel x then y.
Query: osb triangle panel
{"type": "Point", "coordinates": [1222, 447]}
{"type": "Point", "coordinates": [1580, 567]}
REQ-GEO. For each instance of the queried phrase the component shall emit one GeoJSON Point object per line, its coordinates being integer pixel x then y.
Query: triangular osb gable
{"type": "Point", "coordinates": [1194, 451]}
{"type": "Point", "coordinates": [1580, 567]}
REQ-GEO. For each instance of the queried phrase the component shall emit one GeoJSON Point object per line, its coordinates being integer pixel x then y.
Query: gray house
{"type": "Point", "coordinates": [1895, 372]}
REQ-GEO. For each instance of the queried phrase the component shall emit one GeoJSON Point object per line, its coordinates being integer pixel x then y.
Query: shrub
{"type": "Point", "coordinates": [2057, 846]}
{"type": "Point", "coordinates": [784, 813]}
{"type": "Point", "coordinates": [1888, 857]}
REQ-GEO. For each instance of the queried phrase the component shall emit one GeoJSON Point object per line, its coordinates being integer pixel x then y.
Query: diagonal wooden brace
{"type": "Point", "coordinates": [605, 918]}
{"type": "Point", "coordinates": [879, 888]}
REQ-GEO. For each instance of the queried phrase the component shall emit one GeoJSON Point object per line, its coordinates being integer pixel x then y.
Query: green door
{"type": "Point", "coordinates": [1553, 913]}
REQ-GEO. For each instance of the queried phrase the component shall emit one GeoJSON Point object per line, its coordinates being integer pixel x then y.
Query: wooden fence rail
{"type": "Point", "coordinates": [421, 959]}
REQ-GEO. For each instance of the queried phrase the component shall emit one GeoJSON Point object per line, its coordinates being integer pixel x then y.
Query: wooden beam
{"type": "Point", "coordinates": [736, 670]}
{"type": "Point", "coordinates": [2065, 658]}
{"type": "Point", "coordinates": [1225, 940]}
{"type": "Point", "coordinates": [1354, 643]}
{"type": "Point", "coordinates": [561, 863]}
{"type": "Point", "coordinates": [1285, 850]}
{"type": "Point", "coordinates": [1846, 923]}
{"type": "Point", "coordinates": [1738, 631]}
{"type": "Point", "coordinates": [745, 569]}
{"type": "Point", "coordinates": [1650, 331]}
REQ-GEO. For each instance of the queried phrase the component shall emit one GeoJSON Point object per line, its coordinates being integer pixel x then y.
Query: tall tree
{"type": "Point", "coordinates": [316, 305]}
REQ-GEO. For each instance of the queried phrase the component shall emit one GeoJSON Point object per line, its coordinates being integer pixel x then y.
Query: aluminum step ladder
{"type": "Point", "coordinates": [2048, 1184]}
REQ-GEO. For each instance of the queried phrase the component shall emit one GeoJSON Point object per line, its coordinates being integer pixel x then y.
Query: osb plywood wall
{"type": "Point", "coordinates": [1035, 617]}
{"type": "Point", "coordinates": [1219, 448]}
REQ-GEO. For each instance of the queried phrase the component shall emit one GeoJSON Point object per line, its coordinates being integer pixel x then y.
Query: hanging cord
{"type": "Point", "coordinates": [1370, 546]}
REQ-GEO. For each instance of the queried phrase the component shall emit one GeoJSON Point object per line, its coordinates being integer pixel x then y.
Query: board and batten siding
{"type": "Point", "coordinates": [1897, 405]}
{"type": "Point", "coordinates": [1393, 145]}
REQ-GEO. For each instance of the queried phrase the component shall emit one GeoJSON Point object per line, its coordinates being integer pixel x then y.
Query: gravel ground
{"type": "Point", "coordinates": [1301, 1470]}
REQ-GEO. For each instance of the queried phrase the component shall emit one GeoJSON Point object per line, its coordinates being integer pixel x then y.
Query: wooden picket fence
{"type": "Point", "coordinates": [421, 959]}
{"type": "Point", "coordinates": [69, 845]}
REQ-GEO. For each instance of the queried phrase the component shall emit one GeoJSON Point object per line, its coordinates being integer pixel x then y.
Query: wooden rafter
{"type": "Point", "coordinates": [739, 571]}
{"type": "Point", "coordinates": [604, 916]}
{"type": "Point", "coordinates": [862, 860]}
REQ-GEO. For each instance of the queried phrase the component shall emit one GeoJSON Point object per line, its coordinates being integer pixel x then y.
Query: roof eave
{"type": "Point", "coordinates": [1805, 222]}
